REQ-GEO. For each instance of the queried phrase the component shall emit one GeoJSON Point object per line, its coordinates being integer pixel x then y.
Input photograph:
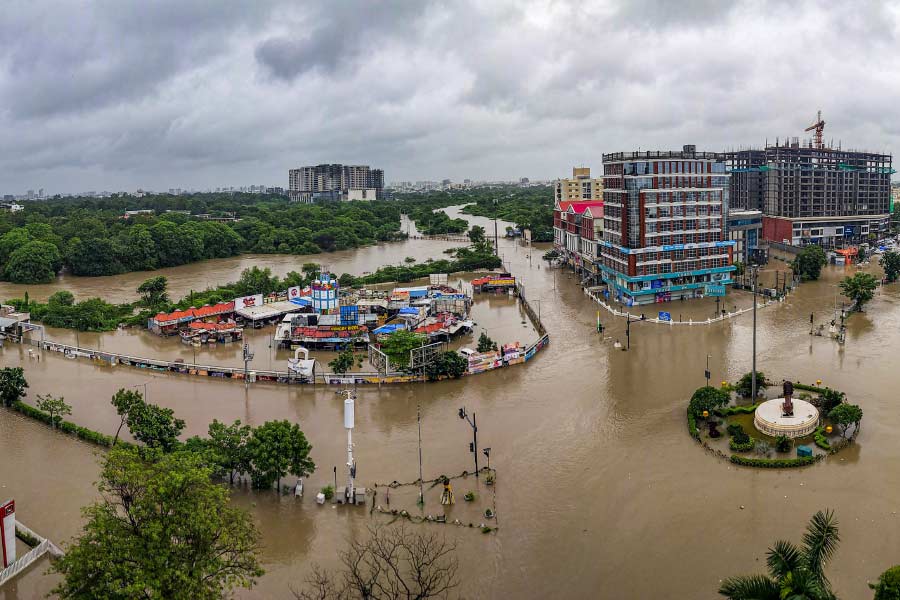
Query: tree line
{"type": "Point", "coordinates": [91, 237]}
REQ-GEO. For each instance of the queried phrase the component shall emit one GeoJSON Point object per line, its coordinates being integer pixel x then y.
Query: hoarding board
{"type": "Point", "coordinates": [248, 301]}
{"type": "Point", "coordinates": [664, 316]}
{"type": "Point", "coordinates": [715, 290]}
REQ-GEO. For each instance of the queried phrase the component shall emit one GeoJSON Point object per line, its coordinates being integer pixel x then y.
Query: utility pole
{"type": "Point", "coordinates": [755, 270]}
{"type": "Point", "coordinates": [707, 373]}
{"type": "Point", "coordinates": [248, 356]}
{"type": "Point", "coordinates": [496, 239]}
{"type": "Point", "coordinates": [473, 447]}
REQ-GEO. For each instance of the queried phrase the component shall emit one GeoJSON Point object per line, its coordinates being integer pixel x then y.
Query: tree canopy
{"type": "Point", "coordinates": [278, 448]}
{"type": "Point", "coordinates": [198, 546]}
{"type": "Point", "coordinates": [860, 288]}
{"type": "Point", "coordinates": [12, 384]}
{"type": "Point", "coordinates": [398, 344]}
{"type": "Point", "coordinates": [890, 262]}
{"type": "Point", "coordinates": [809, 262]}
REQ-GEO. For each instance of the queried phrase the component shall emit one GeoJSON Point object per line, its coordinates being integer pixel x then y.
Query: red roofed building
{"type": "Point", "coordinates": [577, 230]}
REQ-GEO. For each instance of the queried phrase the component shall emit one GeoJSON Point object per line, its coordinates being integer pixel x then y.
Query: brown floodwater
{"type": "Point", "coordinates": [598, 482]}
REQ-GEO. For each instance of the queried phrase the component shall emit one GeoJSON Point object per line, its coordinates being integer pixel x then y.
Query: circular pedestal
{"type": "Point", "coordinates": [769, 419]}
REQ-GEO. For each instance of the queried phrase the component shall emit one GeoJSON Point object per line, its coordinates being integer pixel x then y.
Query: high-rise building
{"type": "Point", "coordinates": [664, 225]}
{"type": "Point", "coordinates": [812, 194]}
{"type": "Point", "coordinates": [334, 182]}
{"type": "Point", "coordinates": [579, 188]}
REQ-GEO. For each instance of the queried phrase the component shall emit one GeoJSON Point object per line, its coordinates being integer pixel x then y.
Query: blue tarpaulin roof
{"type": "Point", "coordinates": [409, 310]}
{"type": "Point", "coordinates": [391, 328]}
{"type": "Point", "coordinates": [301, 301]}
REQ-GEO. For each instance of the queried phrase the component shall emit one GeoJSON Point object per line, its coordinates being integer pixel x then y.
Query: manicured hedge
{"type": "Point", "coordinates": [774, 463]}
{"type": "Point", "coordinates": [78, 431]}
{"type": "Point", "coordinates": [820, 439]}
{"type": "Point", "coordinates": [737, 410]}
{"type": "Point", "coordinates": [808, 388]}
{"type": "Point", "coordinates": [745, 447]}
{"type": "Point", "coordinates": [692, 425]}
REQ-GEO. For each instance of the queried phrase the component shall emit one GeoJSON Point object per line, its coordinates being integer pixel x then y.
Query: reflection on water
{"type": "Point", "coordinates": [598, 479]}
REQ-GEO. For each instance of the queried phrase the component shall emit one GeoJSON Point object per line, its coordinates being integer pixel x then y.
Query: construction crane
{"type": "Point", "coordinates": [818, 127]}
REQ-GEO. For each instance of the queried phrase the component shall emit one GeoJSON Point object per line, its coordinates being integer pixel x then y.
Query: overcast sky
{"type": "Point", "coordinates": [173, 93]}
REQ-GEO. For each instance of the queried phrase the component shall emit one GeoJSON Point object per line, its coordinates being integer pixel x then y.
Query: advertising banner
{"type": "Point", "coordinates": [664, 316]}
{"type": "Point", "coordinates": [294, 292]}
{"type": "Point", "coordinates": [715, 290]}
{"type": "Point", "coordinates": [8, 531]}
{"type": "Point", "coordinates": [248, 301]}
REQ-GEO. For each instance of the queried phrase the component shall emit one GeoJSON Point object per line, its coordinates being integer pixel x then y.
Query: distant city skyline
{"type": "Point", "coordinates": [186, 94]}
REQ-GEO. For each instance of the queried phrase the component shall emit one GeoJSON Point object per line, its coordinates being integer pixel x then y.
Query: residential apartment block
{"type": "Point", "coordinates": [579, 187]}
{"type": "Point", "coordinates": [335, 182]}
{"type": "Point", "coordinates": [577, 230]}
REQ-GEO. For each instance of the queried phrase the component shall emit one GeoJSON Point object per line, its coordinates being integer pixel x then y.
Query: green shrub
{"type": "Point", "coordinates": [83, 433]}
{"type": "Point", "coordinates": [692, 425]}
{"type": "Point", "coordinates": [735, 429]}
{"type": "Point", "coordinates": [774, 463]}
{"type": "Point", "coordinates": [328, 490]}
{"type": "Point", "coordinates": [707, 398]}
{"type": "Point", "coordinates": [737, 410]}
{"type": "Point", "coordinates": [783, 443]}
{"type": "Point", "coordinates": [738, 446]}
{"type": "Point", "coordinates": [888, 586]}
{"type": "Point", "coordinates": [820, 439]}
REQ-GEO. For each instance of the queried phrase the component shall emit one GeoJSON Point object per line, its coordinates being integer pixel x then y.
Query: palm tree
{"type": "Point", "coordinates": [795, 573]}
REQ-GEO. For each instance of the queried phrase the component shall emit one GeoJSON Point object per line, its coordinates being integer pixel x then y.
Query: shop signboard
{"type": "Point", "coordinates": [248, 301]}
{"type": "Point", "coordinates": [664, 316]}
{"type": "Point", "coordinates": [505, 281]}
{"type": "Point", "coordinates": [715, 290]}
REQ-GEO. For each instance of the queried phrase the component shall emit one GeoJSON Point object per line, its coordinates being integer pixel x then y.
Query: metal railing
{"type": "Point", "coordinates": [44, 546]}
{"type": "Point", "coordinates": [707, 321]}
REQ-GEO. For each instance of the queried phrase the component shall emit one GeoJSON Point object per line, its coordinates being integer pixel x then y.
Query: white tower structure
{"type": "Point", "coordinates": [349, 418]}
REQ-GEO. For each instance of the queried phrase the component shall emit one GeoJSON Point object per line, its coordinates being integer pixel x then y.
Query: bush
{"type": "Point", "coordinates": [692, 425]}
{"type": "Point", "coordinates": [82, 433]}
{"type": "Point", "coordinates": [776, 463]}
{"type": "Point", "coordinates": [27, 538]}
{"type": "Point", "coordinates": [762, 447]}
{"type": "Point", "coordinates": [820, 439]}
{"type": "Point", "coordinates": [783, 443]}
{"type": "Point", "coordinates": [328, 490]}
{"type": "Point", "coordinates": [738, 446]}
{"type": "Point", "coordinates": [737, 410]}
{"type": "Point", "coordinates": [735, 429]}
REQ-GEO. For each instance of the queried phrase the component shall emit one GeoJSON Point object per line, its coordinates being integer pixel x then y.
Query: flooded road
{"type": "Point", "coordinates": [598, 482]}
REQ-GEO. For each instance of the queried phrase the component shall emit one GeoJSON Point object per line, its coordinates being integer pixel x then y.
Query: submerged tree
{"type": "Point", "coordinates": [162, 529]}
{"type": "Point", "coordinates": [795, 572]}
{"type": "Point", "coordinates": [890, 262]}
{"type": "Point", "coordinates": [809, 262]}
{"type": "Point", "coordinates": [392, 563]}
{"type": "Point", "coordinates": [277, 448]}
{"type": "Point", "coordinates": [860, 288]}
{"type": "Point", "coordinates": [153, 291]}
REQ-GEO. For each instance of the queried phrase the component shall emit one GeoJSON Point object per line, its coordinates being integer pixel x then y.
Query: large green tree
{"type": "Point", "coordinates": [154, 425]}
{"type": "Point", "coordinates": [795, 572]}
{"type": "Point", "coordinates": [278, 448]}
{"type": "Point", "coordinates": [447, 364]}
{"type": "Point", "coordinates": [890, 262]}
{"type": "Point", "coordinates": [707, 398]}
{"type": "Point", "coordinates": [35, 262]}
{"type": "Point", "coordinates": [12, 385]}
{"type": "Point", "coordinates": [809, 262]}
{"type": "Point", "coordinates": [162, 529]}
{"type": "Point", "coordinates": [230, 447]}
{"type": "Point", "coordinates": [153, 291]}
{"type": "Point", "coordinates": [844, 415]}
{"type": "Point", "coordinates": [744, 386]}
{"type": "Point", "coordinates": [860, 288]}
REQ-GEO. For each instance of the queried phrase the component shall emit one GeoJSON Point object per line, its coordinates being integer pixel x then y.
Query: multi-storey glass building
{"type": "Point", "coordinates": [664, 226]}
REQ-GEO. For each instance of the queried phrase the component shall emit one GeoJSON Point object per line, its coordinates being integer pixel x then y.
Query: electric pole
{"type": "Point", "coordinates": [473, 447]}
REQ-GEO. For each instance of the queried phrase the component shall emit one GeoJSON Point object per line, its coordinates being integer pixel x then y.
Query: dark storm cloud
{"type": "Point", "coordinates": [118, 95]}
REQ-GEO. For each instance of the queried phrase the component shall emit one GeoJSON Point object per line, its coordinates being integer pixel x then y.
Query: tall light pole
{"type": "Point", "coordinates": [144, 385]}
{"type": "Point", "coordinates": [755, 273]}
{"type": "Point", "coordinates": [473, 447]}
{"type": "Point", "coordinates": [707, 373]}
{"type": "Point", "coordinates": [496, 241]}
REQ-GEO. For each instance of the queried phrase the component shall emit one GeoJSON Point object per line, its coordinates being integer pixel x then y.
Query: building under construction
{"type": "Point", "coordinates": [814, 194]}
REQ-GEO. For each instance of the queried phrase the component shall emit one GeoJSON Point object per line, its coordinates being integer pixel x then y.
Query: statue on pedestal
{"type": "Point", "coordinates": [787, 408]}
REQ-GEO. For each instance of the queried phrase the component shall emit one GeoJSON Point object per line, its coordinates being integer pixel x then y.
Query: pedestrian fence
{"type": "Point", "coordinates": [44, 546]}
{"type": "Point", "coordinates": [708, 321]}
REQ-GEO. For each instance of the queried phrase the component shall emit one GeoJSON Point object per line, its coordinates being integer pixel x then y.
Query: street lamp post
{"type": "Point", "coordinates": [487, 454]}
{"type": "Point", "coordinates": [707, 373]}
{"type": "Point", "coordinates": [473, 447]}
{"type": "Point", "coordinates": [755, 273]}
